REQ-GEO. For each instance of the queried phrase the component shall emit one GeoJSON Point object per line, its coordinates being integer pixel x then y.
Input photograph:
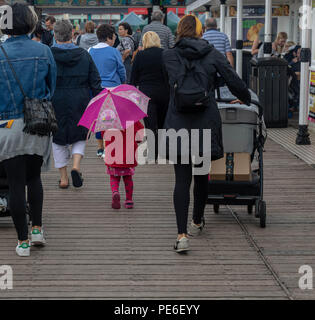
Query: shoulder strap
{"type": "Point", "coordinates": [13, 71]}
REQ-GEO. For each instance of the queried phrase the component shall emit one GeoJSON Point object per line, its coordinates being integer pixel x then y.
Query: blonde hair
{"type": "Point", "coordinates": [282, 35]}
{"type": "Point", "coordinates": [151, 39]}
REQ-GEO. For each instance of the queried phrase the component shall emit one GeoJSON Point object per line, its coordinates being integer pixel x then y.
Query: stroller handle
{"type": "Point", "coordinates": [256, 103]}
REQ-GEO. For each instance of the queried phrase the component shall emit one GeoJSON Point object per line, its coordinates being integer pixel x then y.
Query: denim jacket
{"type": "Point", "coordinates": [36, 69]}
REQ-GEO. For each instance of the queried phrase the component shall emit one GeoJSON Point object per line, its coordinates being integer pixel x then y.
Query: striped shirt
{"type": "Point", "coordinates": [219, 40]}
{"type": "Point", "coordinates": [164, 32]}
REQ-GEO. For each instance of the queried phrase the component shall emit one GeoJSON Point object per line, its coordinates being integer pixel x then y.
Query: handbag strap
{"type": "Point", "coordinates": [13, 71]}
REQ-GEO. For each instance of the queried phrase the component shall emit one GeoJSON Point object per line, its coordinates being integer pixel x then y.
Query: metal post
{"type": "Point", "coordinates": [268, 31]}
{"type": "Point", "coordinates": [222, 15]}
{"type": "Point", "coordinates": [305, 24]}
{"type": "Point", "coordinates": [295, 21]}
{"type": "Point", "coordinates": [239, 39]}
{"type": "Point", "coordinates": [290, 34]}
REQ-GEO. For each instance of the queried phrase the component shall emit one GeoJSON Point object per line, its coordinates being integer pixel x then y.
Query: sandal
{"type": "Point", "coordinates": [66, 186]}
{"type": "Point", "coordinates": [129, 204]}
{"type": "Point", "coordinates": [77, 179]}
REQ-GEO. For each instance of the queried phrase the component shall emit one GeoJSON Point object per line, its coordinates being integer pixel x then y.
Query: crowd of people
{"type": "Point", "coordinates": [70, 69]}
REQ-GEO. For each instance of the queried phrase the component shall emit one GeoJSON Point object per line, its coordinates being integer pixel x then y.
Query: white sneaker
{"type": "Point", "coordinates": [23, 250]}
{"type": "Point", "coordinates": [181, 245]}
{"type": "Point", "coordinates": [38, 237]}
{"type": "Point", "coordinates": [195, 230]}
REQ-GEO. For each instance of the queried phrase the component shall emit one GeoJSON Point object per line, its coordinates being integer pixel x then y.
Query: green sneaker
{"type": "Point", "coordinates": [38, 237]}
{"type": "Point", "coordinates": [23, 249]}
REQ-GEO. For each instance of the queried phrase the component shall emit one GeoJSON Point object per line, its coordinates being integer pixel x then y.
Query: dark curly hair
{"type": "Point", "coordinates": [126, 27]}
{"type": "Point", "coordinates": [105, 32]}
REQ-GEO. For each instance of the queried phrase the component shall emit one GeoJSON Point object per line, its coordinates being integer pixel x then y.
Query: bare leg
{"type": "Point", "coordinates": [100, 144]}
{"type": "Point", "coordinates": [76, 161]}
{"type": "Point", "coordinates": [64, 180]}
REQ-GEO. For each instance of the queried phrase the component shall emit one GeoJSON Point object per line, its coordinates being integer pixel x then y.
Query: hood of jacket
{"type": "Point", "coordinates": [193, 48]}
{"type": "Point", "coordinates": [68, 57]}
{"type": "Point", "coordinates": [89, 40]}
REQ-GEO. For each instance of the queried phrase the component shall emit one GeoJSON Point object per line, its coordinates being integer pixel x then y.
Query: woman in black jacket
{"type": "Point", "coordinates": [147, 73]}
{"type": "Point", "coordinates": [204, 61]}
{"type": "Point", "coordinates": [77, 79]}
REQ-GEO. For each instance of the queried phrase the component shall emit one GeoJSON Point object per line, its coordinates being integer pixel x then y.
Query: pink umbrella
{"type": "Point", "coordinates": [118, 108]}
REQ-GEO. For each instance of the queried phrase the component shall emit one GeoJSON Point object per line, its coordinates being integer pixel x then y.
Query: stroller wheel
{"type": "Point", "coordinates": [250, 209]}
{"type": "Point", "coordinates": [216, 208]}
{"type": "Point", "coordinates": [262, 214]}
{"type": "Point", "coordinates": [257, 202]}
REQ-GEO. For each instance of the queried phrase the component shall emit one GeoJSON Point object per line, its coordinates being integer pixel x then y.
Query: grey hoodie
{"type": "Point", "coordinates": [88, 40]}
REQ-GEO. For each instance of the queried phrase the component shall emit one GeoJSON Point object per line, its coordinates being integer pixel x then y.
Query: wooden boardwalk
{"type": "Point", "coordinates": [94, 252]}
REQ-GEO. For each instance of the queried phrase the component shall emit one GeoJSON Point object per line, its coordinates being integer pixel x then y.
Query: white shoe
{"type": "Point", "coordinates": [181, 245]}
{"type": "Point", "coordinates": [24, 249]}
{"type": "Point", "coordinates": [194, 229]}
{"type": "Point", "coordinates": [38, 237]}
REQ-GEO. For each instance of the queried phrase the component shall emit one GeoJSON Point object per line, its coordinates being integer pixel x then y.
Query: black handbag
{"type": "Point", "coordinates": [39, 114]}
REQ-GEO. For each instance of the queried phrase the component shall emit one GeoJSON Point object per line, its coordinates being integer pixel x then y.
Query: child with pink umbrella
{"type": "Point", "coordinates": [117, 114]}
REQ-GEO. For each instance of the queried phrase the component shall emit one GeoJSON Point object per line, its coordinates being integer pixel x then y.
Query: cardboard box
{"type": "Point", "coordinates": [218, 169]}
{"type": "Point", "coordinates": [241, 167]}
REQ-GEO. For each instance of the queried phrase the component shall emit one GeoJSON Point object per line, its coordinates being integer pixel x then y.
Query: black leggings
{"type": "Point", "coordinates": [24, 171]}
{"type": "Point", "coordinates": [183, 177]}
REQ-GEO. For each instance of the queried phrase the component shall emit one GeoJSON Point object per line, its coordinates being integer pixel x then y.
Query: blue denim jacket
{"type": "Point", "coordinates": [36, 69]}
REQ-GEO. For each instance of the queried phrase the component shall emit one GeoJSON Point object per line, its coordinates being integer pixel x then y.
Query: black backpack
{"type": "Point", "coordinates": [189, 92]}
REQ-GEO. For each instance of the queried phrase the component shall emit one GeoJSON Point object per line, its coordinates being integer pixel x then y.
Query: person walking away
{"type": "Point", "coordinates": [109, 64]}
{"type": "Point", "coordinates": [124, 169]}
{"type": "Point", "coordinates": [190, 50]}
{"type": "Point", "coordinates": [218, 39]}
{"type": "Point", "coordinates": [48, 34]}
{"type": "Point", "coordinates": [164, 32]}
{"type": "Point", "coordinates": [137, 36]}
{"type": "Point", "coordinates": [75, 37]}
{"type": "Point", "coordinates": [89, 39]}
{"type": "Point", "coordinates": [77, 78]}
{"type": "Point", "coordinates": [148, 75]}
{"type": "Point", "coordinates": [126, 46]}
{"type": "Point", "coordinates": [22, 155]}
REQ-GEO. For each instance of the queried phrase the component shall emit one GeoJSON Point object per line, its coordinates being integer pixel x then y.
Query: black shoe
{"type": "Point", "coordinates": [77, 179]}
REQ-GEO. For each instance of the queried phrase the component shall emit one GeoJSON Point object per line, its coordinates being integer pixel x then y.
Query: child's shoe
{"type": "Point", "coordinates": [129, 204]}
{"type": "Point", "coordinates": [100, 152]}
{"type": "Point", "coordinates": [116, 200]}
{"type": "Point", "coordinates": [23, 249]}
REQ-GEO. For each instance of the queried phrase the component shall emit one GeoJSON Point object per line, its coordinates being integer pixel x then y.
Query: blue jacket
{"type": "Point", "coordinates": [109, 64]}
{"type": "Point", "coordinates": [36, 69]}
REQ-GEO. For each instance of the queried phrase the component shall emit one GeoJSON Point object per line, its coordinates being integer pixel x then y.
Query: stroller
{"type": "Point", "coordinates": [4, 197]}
{"type": "Point", "coordinates": [243, 130]}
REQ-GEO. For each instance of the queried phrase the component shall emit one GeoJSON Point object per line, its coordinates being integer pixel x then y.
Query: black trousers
{"type": "Point", "coordinates": [24, 171]}
{"type": "Point", "coordinates": [183, 178]}
{"type": "Point", "coordinates": [157, 110]}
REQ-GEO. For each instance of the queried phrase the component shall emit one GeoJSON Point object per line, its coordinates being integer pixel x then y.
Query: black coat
{"type": "Point", "coordinates": [47, 38]}
{"type": "Point", "coordinates": [147, 74]}
{"type": "Point", "coordinates": [213, 62]}
{"type": "Point", "coordinates": [78, 81]}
